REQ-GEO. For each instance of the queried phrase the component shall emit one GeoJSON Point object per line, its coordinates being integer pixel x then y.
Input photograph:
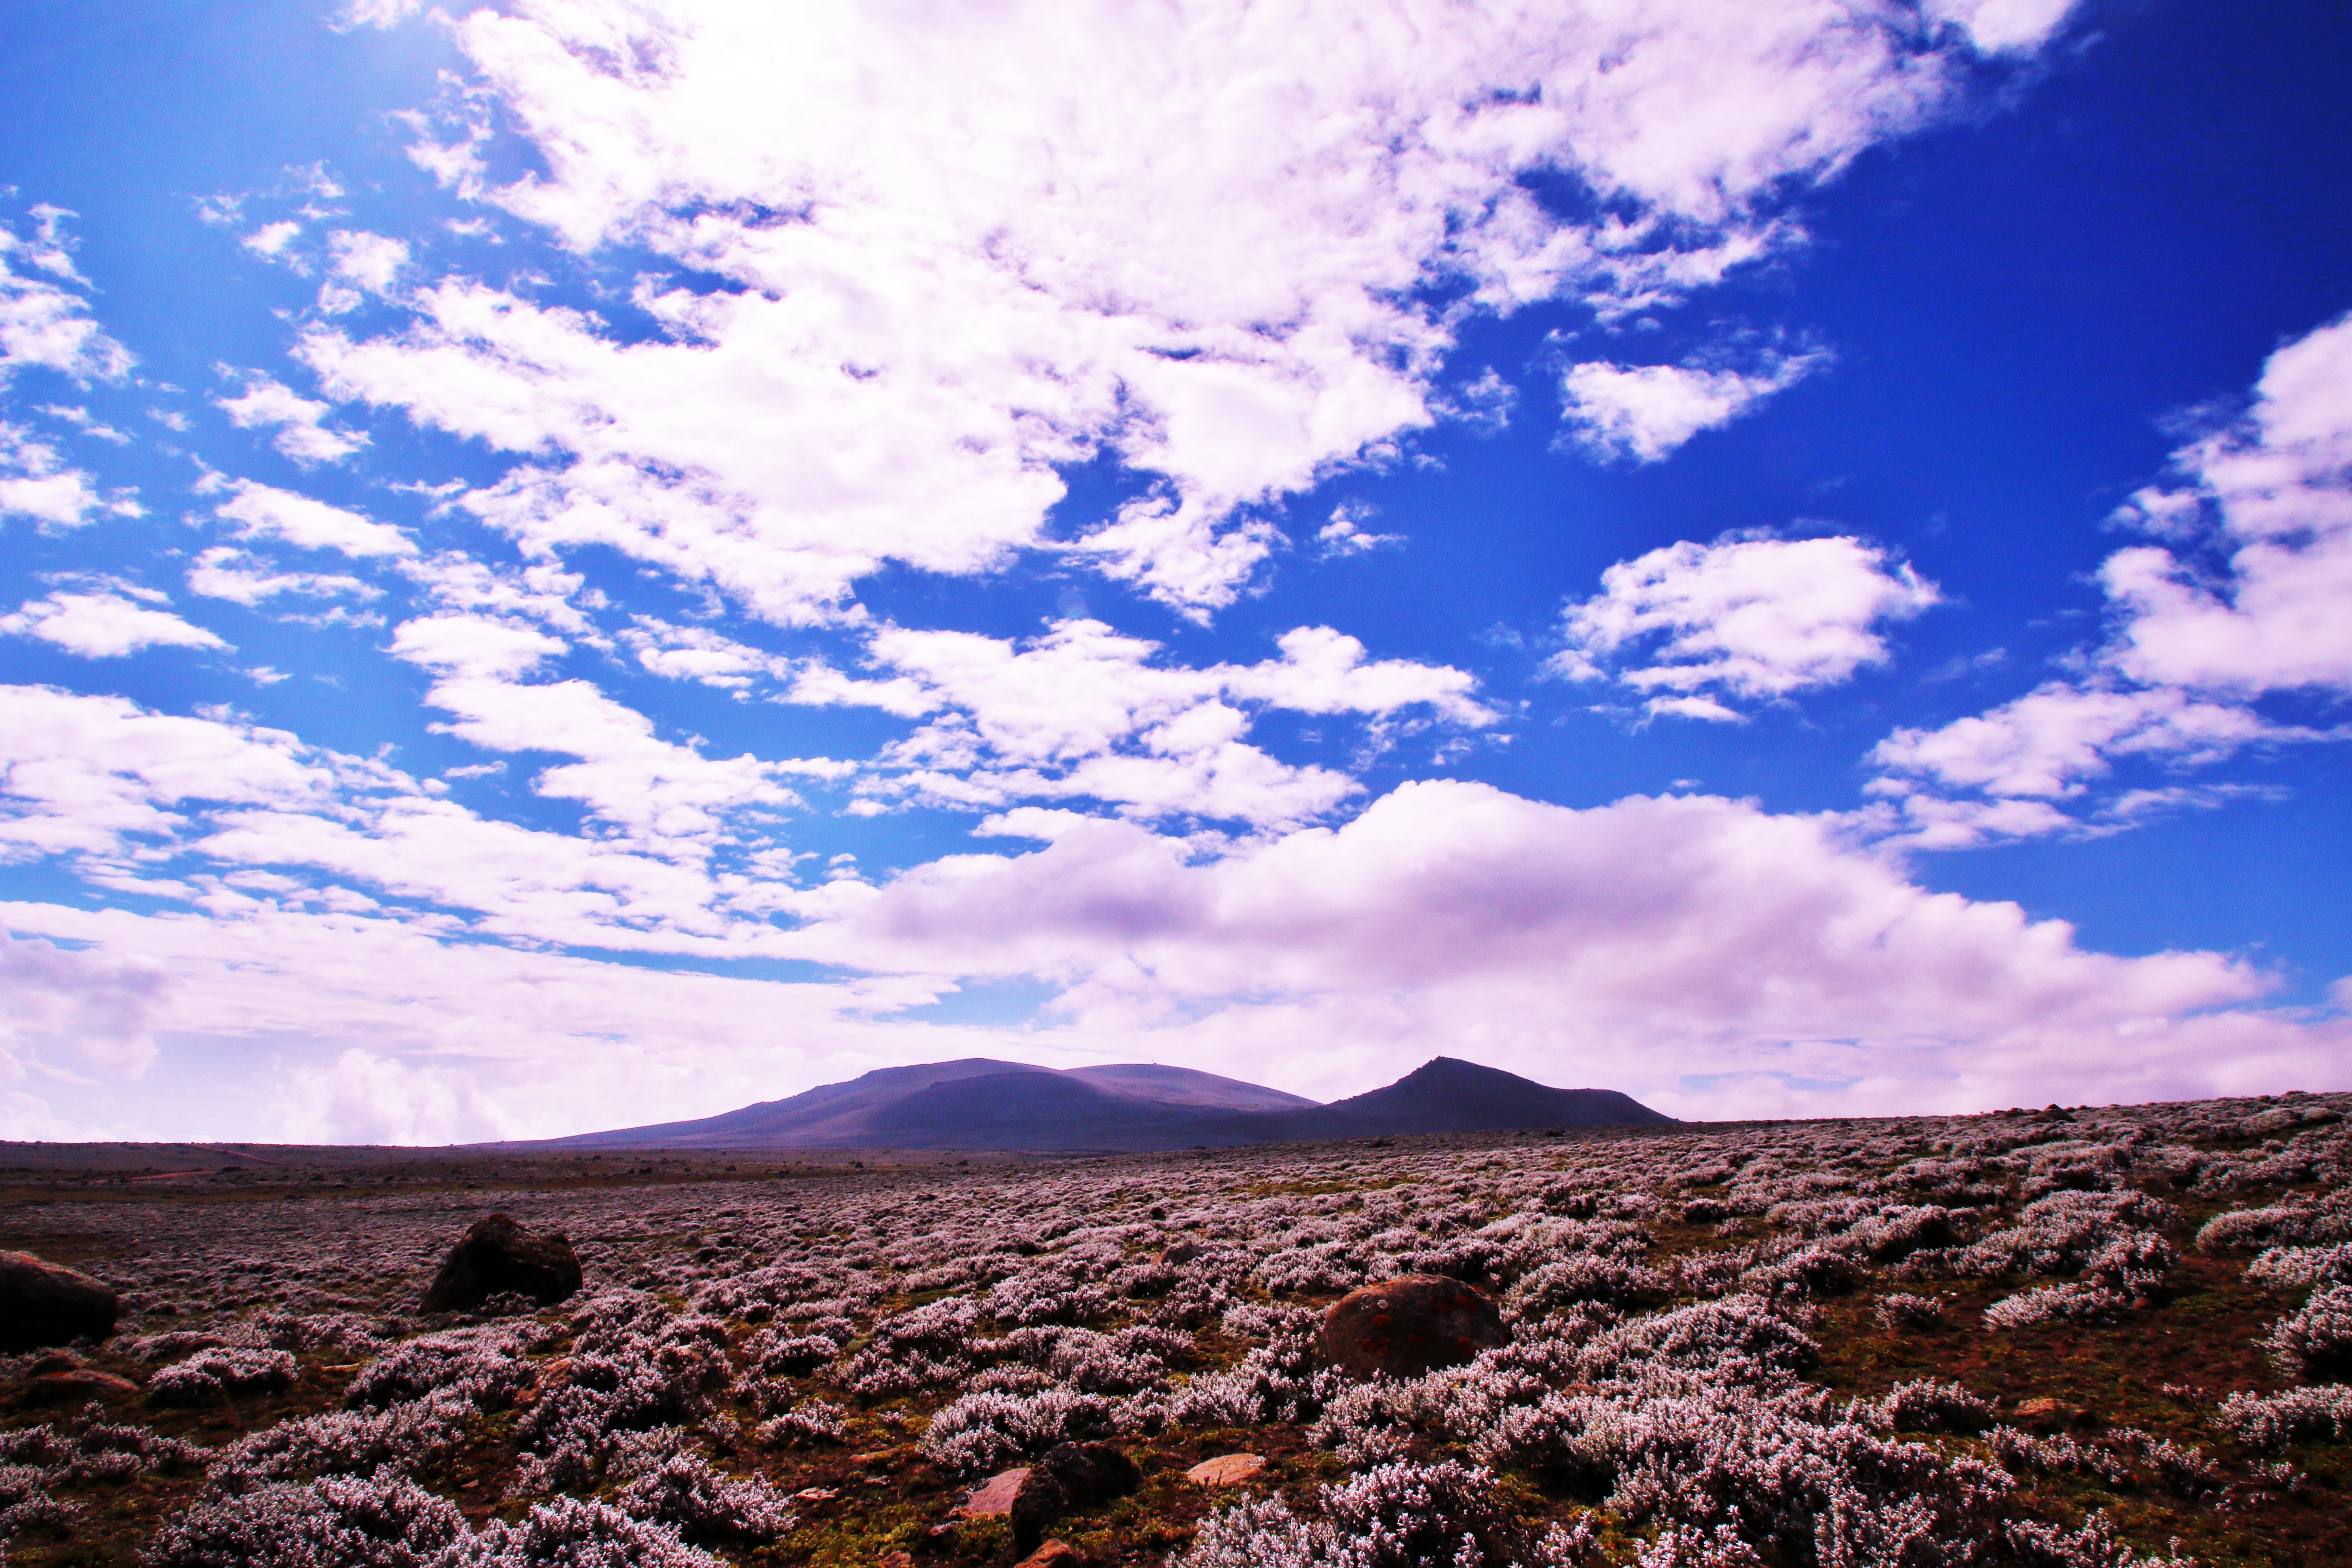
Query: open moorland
{"type": "Point", "coordinates": [2095, 1338]}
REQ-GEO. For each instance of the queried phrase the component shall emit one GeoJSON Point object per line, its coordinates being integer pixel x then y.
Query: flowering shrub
{"type": "Point", "coordinates": [685, 1491]}
{"type": "Point", "coordinates": [2270, 1422]}
{"type": "Point", "coordinates": [338, 1522]}
{"type": "Point", "coordinates": [2078, 1302]}
{"type": "Point", "coordinates": [221, 1373]}
{"type": "Point", "coordinates": [2314, 1342]}
{"type": "Point", "coordinates": [1905, 1312]}
{"type": "Point", "coordinates": [2284, 1267]}
{"type": "Point", "coordinates": [985, 1431]}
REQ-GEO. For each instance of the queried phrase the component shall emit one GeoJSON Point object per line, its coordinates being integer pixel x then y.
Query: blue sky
{"type": "Point", "coordinates": [574, 567]}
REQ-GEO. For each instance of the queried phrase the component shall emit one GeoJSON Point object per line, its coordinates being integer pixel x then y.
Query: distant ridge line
{"type": "Point", "coordinates": [980, 1103]}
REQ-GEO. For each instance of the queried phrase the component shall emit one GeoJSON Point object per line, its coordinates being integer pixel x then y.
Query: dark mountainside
{"type": "Point", "coordinates": [977, 1103]}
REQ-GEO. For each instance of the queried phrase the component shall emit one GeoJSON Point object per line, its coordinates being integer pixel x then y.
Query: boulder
{"type": "Point", "coordinates": [78, 1386]}
{"type": "Point", "coordinates": [1409, 1327]}
{"type": "Point", "coordinates": [44, 1303]}
{"type": "Point", "coordinates": [1053, 1554]}
{"type": "Point", "coordinates": [1074, 1476]}
{"type": "Point", "coordinates": [498, 1256]}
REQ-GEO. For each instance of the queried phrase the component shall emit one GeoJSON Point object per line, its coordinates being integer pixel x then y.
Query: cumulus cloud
{"type": "Point", "coordinates": [2251, 594]}
{"type": "Point", "coordinates": [264, 512]}
{"type": "Point", "coordinates": [72, 1010]}
{"type": "Point", "coordinates": [1657, 941]}
{"type": "Point", "coordinates": [302, 434]}
{"type": "Point", "coordinates": [363, 1098]}
{"type": "Point", "coordinates": [1084, 711]}
{"type": "Point", "coordinates": [2272, 493]}
{"type": "Point", "coordinates": [1740, 618]}
{"type": "Point", "coordinates": [963, 249]}
{"type": "Point", "coordinates": [1642, 413]}
{"type": "Point", "coordinates": [43, 321]}
{"type": "Point", "coordinates": [107, 624]}
{"type": "Point", "coordinates": [224, 571]}
{"type": "Point", "coordinates": [35, 483]}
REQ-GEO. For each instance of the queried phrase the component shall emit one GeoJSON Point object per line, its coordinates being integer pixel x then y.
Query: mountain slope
{"type": "Point", "coordinates": [980, 1103]}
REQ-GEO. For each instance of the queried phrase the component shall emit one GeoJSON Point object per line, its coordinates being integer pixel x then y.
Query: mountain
{"type": "Point", "coordinates": [980, 1103]}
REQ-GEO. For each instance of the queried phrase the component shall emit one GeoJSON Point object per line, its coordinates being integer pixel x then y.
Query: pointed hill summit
{"type": "Point", "coordinates": [976, 1102]}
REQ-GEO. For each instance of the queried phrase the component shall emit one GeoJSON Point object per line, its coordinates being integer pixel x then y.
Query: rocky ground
{"type": "Point", "coordinates": [2097, 1337]}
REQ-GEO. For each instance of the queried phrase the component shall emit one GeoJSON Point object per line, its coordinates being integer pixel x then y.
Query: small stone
{"type": "Point", "coordinates": [1410, 1327]}
{"type": "Point", "coordinates": [1053, 1554]}
{"type": "Point", "coordinates": [898, 1560]}
{"type": "Point", "coordinates": [1226, 1470]}
{"type": "Point", "coordinates": [497, 1255]}
{"type": "Point", "coordinates": [816, 1494]}
{"type": "Point", "coordinates": [44, 1303]}
{"type": "Point", "coordinates": [2039, 1414]}
{"type": "Point", "coordinates": [1177, 1252]}
{"type": "Point", "coordinates": [994, 1497]}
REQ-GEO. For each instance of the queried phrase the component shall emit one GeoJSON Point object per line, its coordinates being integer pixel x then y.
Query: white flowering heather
{"type": "Point", "coordinates": [810, 1426]}
{"type": "Point", "coordinates": [2074, 1303]}
{"type": "Point", "coordinates": [338, 1522]}
{"type": "Point", "coordinates": [683, 1490]}
{"type": "Point", "coordinates": [2288, 1267]}
{"type": "Point", "coordinates": [410, 1436]}
{"type": "Point", "coordinates": [2271, 1421]}
{"type": "Point", "coordinates": [2313, 1343]}
{"type": "Point", "coordinates": [1902, 1311]}
{"type": "Point", "coordinates": [487, 1365]}
{"type": "Point", "coordinates": [222, 1372]}
{"type": "Point", "coordinates": [1924, 1405]}
{"type": "Point", "coordinates": [2299, 1221]}
{"type": "Point", "coordinates": [571, 1534]}
{"type": "Point", "coordinates": [985, 1431]}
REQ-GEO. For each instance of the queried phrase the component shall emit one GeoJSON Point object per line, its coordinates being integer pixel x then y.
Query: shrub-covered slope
{"type": "Point", "coordinates": [2110, 1337]}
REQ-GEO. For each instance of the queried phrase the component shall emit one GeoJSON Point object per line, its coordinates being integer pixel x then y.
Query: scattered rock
{"type": "Point", "coordinates": [1091, 1473]}
{"type": "Point", "coordinates": [43, 1304]}
{"type": "Point", "coordinates": [1177, 1252]}
{"type": "Point", "coordinates": [1410, 1326]}
{"type": "Point", "coordinates": [898, 1560]}
{"type": "Point", "coordinates": [1053, 1554]}
{"type": "Point", "coordinates": [1226, 1470]}
{"type": "Point", "coordinates": [497, 1255]}
{"type": "Point", "coordinates": [78, 1386]}
{"type": "Point", "coordinates": [994, 1497]}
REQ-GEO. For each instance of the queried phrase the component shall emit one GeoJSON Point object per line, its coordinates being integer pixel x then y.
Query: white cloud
{"type": "Point", "coordinates": [1753, 618]}
{"type": "Point", "coordinates": [1644, 412]}
{"type": "Point", "coordinates": [78, 1009]}
{"type": "Point", "coordinates": [667, 798]}
{"type": "Point", "coordinates": [301, 436]}
{"type": "Point", "coordinates": [34, 483]}
{"type": "Point", "coordinates": [2251, 594]}
{"type": "Point", "coordinates": [104, 625]}
{"type": "Point", "coordinates": [2000, 26]}
{"type": "Point", "coordinates": [224, 571]}
{"type": "Point", "coordinates": [1655, 944]}
{"type": "Point", "coordinates": [267, 512]}
{"type": "Point", "coordinates": [373, 261]}
{"type": "Point", "coordinates": [2052, 741]}
{"type": "Point", "coordinates": [1085, 712]}
{"type": "Point", "coordinates": [963, 249]}
{"type": "Point", "coordinates": [2274, 491]}
{"type": "Point", "coordinates": [1345, 535]}
{"type": "Point", "coordinates": [44, 322]}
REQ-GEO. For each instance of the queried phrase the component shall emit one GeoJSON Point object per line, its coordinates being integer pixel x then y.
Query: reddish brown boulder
{"type": "Point", "coordinates": [78, 1386]}
{"type": "Point", "coordinates": [1410, 1327]}
{"type": "Point", "coordinates": [1053, 1554]}
{"type": "Point", "coordinates": [497, 1256]}
{"type": "Point", "coordinates": [44, 1303]}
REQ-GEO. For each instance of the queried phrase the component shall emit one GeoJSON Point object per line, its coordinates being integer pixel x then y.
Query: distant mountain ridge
{"type": "Point", "coordinates": [976, 1102]}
